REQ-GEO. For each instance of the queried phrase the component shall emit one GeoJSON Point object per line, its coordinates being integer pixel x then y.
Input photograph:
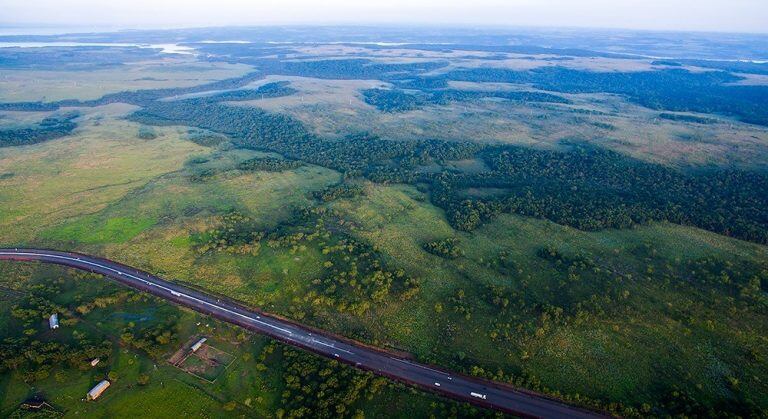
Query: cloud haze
{"type": "Point", "coordinates": [704, 15]}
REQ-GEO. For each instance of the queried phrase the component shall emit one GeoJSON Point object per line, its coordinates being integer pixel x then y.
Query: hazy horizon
{"type": "Point", "coordinates": [736, 16]}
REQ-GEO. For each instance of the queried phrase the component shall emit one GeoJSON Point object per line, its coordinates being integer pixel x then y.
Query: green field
{"type": "Point", "coordinates": [655, 319]}
{"type": "Point", "coordinates": [608, 350]}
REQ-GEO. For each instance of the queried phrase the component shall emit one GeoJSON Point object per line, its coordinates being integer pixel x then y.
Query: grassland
{"type": "Point", "coordinates": [625, 355]}
{"type": "Point", "coordinates": [19, 85]}
{"type": "Point", "coordinates": [613, 356]}
{"type": "Point", "coordinates": [82, 174]}
{"type": "Point", "coordinates": [334, 108]}
{"type": "Point", "coordinates": [627, 317]}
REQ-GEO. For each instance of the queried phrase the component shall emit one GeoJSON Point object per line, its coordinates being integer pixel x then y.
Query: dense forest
{"type": "Point", "coordinates": [592, 188]}
{"type": "Point", "coordinates": [269, 164]}
{"type": "Point", "coordinates": [587, 187]}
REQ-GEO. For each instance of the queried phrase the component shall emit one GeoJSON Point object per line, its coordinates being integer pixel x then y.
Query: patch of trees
{"type": "Point", "coordinates": [461, 304]}
{"type": "Point", "coordinates": [452, 95]}
{"type": "Point", "coordinates": [254, 128]}
{"type": "Point", "coordinates": [746, 281]}
{"type": "Point", "coordinates": [232, 232]}
{"type": "Point", "coordinates": [269, 164]}
{"type": "Point", "coordinates": [269, 90]}
{"type": "Point", "coordinates": [152, 340]}
{"type": "Point", "coordinates": [36, 359]}
{"type": "Point", "coordinates": [512, 49]}
{"type": "Point", "coordinates": [205, 138]}
{"type": "Point", "coordinates": [147, 96]}
{"type": "Point", "coordinates": [445, 248]}
{"type": "Point", "coordinates": [74, 58]}
{"type": "Point", "coordinates": [146, 133]}
{"type": "Point", "coordinates": [421, 83]}
{"type": "Point", "coordinates": [668, 63]}
{"type": "Point", "coordinates": [687, 118]}
{"type": "Point", "coordinates": [396, 100]}
{"type": "Point", "coordinates": [354, 278]}
{"type": "Point", "coordinates": [241, 51]}
{"type": "Point", "coordinates": [201, 174]}
{"type": "Point", "coordinates": [731, 66]}
{"type": "Point", "coordinates": [344, 190]}
{"type": "Point", "coordinates": [29, 106]}
{"type": "Point", "coordinates": [318, 388]}
{"type": "Point", "coordinates": [49, 128]}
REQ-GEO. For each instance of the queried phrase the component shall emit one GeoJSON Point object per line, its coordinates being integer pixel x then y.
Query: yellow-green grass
{"type": "Point", "coordinates": [51, 85]}
{"type": "Point", "coordinates": [150, 228]}
{"type": "Point", "coordinates": [612, 358]}
{"type": "Point", "coordinates": [80, 175]}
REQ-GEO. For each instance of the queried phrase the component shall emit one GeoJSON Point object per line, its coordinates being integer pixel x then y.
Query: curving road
{"type": "Point", "coordinates": [480, 392]}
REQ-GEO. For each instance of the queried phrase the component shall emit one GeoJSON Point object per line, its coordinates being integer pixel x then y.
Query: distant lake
{"type": "Point", "coordinates": [165, 48]}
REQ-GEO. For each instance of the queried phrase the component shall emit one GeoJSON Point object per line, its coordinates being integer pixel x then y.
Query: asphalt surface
{"type": "Point", "coordinates": [480, 392]}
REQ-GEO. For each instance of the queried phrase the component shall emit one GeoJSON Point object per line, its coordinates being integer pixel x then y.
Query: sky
{"type": "Point", "coordinates": [688, 15]}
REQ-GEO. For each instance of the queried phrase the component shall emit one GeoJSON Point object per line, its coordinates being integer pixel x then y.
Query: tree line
{"type": "Point", "coordinates": [397, 100]}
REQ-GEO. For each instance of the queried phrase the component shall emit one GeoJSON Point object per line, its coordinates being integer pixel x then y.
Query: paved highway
{"type": "Point", "coordinates": [480, 392]}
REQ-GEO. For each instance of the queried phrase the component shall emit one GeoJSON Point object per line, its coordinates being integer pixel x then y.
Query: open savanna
{"type": "Point", "coordinates": [106, 192]}
{"type": "Point", "coordinates": [45, 184]}
{"type": "Point", "coordinates": [334, 108]}
{"type": "Point", "coordinates": [48, 85]}
{"type": "Point", "coordinates": [661, 334]}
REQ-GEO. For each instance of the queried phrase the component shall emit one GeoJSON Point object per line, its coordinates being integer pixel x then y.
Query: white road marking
{"type": "Point", "coordinates": [420, 366]}
{"type": "Point", "coordinates": [330, 346]}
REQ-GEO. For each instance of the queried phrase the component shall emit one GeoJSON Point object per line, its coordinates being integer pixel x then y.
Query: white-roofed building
{"type": "Point", "coordinates": [98, 389]}
{"type": "Point", "coordinates": [53, 321]}
{"type": "Point", "coordinates": [198, 344]}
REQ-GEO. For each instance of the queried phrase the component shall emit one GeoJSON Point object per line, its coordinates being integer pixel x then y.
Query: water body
{"type": "Point", "coordinates": [164, 48]}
